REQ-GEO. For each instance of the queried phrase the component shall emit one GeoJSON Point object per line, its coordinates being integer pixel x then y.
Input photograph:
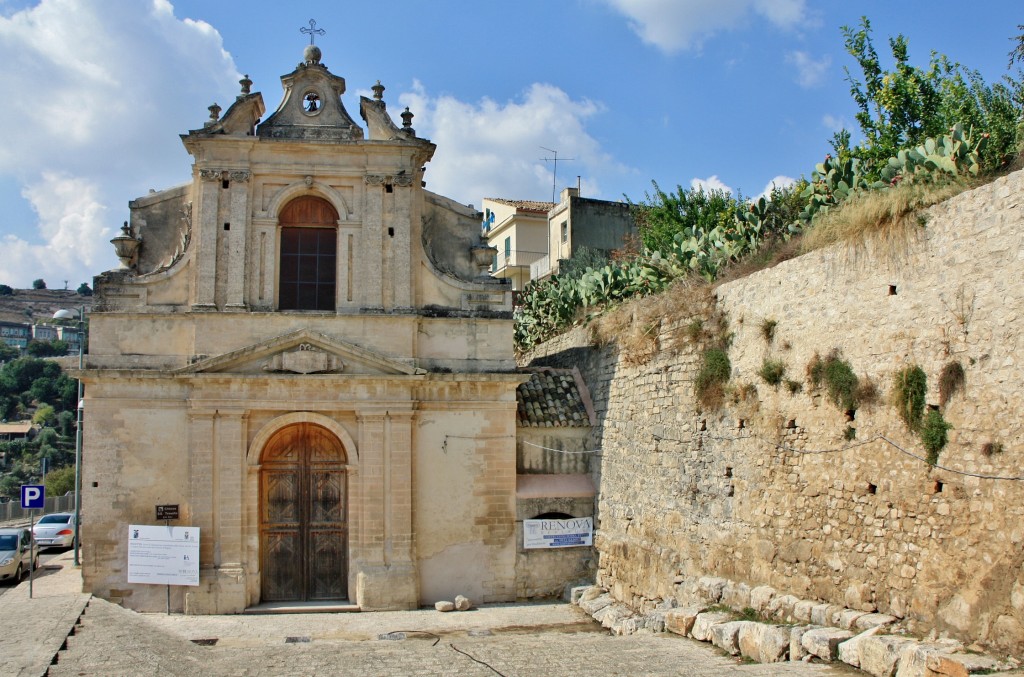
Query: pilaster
{"type": "Point", "coordinates": [371, 244]}
{"type": "Point", "coordinates": [238, 196]}
{"type": "Point", "coordinates": [205, 223]}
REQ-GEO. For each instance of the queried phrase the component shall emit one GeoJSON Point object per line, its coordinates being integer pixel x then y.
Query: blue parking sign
{"type": "Point", "coordinates": [33, 496]}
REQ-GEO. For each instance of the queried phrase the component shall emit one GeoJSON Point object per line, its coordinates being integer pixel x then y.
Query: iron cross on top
{"type": "Point", "coordinates": [312, 30]}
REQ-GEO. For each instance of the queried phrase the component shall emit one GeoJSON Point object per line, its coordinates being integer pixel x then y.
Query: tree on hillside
{"type": "Point", "coordinates": [61, 481]}
{"type": "Point", "coordinates": [662, 216]}
{"type": "Point", "coordinates": [84, 290]}
{"type": "Point", "coordinates": [1017, 53]}
{"type": "Point", "coordinates": [6, 290]}
{"type": "Point", "coordinates": [39, 284]}
{"type": "Point", "coordinates": [902, 107]}
{"type": "Point", "coordinates": [8, 353]}
{"type": "Point", "coordinates": [54, 348]}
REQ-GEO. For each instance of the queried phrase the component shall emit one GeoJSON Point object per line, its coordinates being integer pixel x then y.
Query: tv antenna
{"type": "Point", "coordinates": [554, 173]}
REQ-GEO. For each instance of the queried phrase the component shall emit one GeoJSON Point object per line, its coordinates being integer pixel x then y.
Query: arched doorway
{"type": "Point", "coordinates": [308, 254]}
{"type": "Point", "coordinates": [303, 521]}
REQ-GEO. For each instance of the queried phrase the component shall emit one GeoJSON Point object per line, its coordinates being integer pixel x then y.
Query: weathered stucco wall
{"type": "Point", "coordinates": [770, 492]}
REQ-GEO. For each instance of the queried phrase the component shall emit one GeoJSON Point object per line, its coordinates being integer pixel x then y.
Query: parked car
{"type": "Point", "coordinates": [56, 530]}
{"type": "Point", "coordinates": [17, 553]}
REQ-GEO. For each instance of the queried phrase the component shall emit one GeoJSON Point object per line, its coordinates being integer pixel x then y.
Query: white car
{"type": "Point", "coordinates": [17, 553]}
{"type": "Point", "coordinates": [56, 530]}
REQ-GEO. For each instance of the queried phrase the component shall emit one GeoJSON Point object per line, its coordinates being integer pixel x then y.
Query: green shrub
{"type": "Point", "coordinates": [714, 373]}
{"type": "Point", "coordinates": [768, 330]}
{"type": "Point", "coordinates": [909, 388]}
{"type": "Point", "coordinates": [838, 378]}
{"type": "Point", "coordinates": [850, 434]}
{"type": "Point", "coordinates": [794, 386]}
{"type": "Point", "coordinates": [772, 371]}
{"type": "Point", "coordinates": [933, 434]}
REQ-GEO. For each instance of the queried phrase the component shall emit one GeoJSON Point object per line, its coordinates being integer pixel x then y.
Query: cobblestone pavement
{"type": "Point", "coordinates": [535, 640]}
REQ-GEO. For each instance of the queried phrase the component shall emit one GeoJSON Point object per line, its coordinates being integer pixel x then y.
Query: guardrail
{"type": "Point", "coordinates": [13, 511]}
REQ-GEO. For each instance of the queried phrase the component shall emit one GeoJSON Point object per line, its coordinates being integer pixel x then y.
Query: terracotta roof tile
{"type": "Point", "coordinates": [551, 399]}
{"type": "Point", "coordinates": [525, 205]}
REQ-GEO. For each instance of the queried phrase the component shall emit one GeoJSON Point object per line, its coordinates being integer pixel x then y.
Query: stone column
{"type": "Point", "coordinates": [204, 224]}
{"type": "Point", "coordinates": [237, 239]}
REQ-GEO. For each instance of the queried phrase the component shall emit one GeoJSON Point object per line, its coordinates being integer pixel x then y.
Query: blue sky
{"type": "Point", "coordinates": [723, 93]}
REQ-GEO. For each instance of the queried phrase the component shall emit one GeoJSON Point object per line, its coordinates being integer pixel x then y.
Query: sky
{"type": "Point", "coordinates": [733, 94]}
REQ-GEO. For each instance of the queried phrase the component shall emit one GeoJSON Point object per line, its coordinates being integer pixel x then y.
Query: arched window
{"type": "Point", "coordinates": [309, 248]}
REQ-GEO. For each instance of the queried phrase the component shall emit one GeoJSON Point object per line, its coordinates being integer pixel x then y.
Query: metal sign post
{"type": "Point", "coordinates": [33, 497]}
{"type": "Point", "coordinates": [167, 513]}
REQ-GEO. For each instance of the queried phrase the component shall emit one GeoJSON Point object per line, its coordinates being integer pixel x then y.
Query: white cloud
{"type": "Point", "coordinates": [810, 71]}
{"type": "Point", "coordinates": [780, 181]}
{"type": "Point", "coordinates": [709, 184]}
{"type": "Point", "coordinates": [96, 91]}
{"type": "Point", "coordinates": [489, 149]}
{"type": "Point", "coordinates": [674, 25]}
{"type": "Point", "coordinates": [834, 123]}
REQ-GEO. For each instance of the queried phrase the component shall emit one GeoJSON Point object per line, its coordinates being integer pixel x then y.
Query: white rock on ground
{"type": "Point", "coordinates": [613, 613]}
{"type": "Point", "coordinates": [796, 649]}
{"type": "Point", "coordinates": [760, 597]}
{"type": "Point", "coordinates": [849, 651]}
{"type": "Point", "coordinates": [444, 606]}
{"type": "Point", "coordinates": [726, 635]}
{"type": "Point", "coordinates": [680, 621]}
{"type": "Point", "coordinates": [824, 642]}
{"type": "Point", "coordinates": [914, 660]}
{"type": "Point", "coordinates": [592, 606]}
{"type": "Point", "coordinates": [705, 621]}
{"type": "Point", "coordinates": [764, 643]}
{"type": "Point", "coordinates": [462, 603]}
{"type": "Point", "coordinates": [880, 654]}
{"type": "Point", "coordinates": [575, 594]}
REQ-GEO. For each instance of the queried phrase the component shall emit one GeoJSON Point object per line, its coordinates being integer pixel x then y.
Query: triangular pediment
{"type": "Point", "coordinates": [301, 352]}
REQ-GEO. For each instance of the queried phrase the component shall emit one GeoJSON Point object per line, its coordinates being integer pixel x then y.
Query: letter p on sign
{"type": "Point", "coordinates": [33, 496]}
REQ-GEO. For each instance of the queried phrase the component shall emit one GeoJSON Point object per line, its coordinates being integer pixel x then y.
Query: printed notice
{"type": "Point", "coordinates": [163, 555]}
{"type": "Point", "coordinates": [558, 533]}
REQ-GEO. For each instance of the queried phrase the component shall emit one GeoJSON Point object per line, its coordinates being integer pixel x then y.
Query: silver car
{"type": "Point", "coordinates": [56, 530]}
{"type": "Point", "coordinates": [17, 553]}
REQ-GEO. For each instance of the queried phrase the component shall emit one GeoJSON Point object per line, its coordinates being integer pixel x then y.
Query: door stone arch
{"type": "Point", "coordinates": [303, 514]}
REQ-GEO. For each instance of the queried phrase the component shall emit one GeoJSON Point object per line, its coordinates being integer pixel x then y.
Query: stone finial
{"type": "Point", "coordinates": [311, 55]}
{"type": "Point", "coordinates": [246, 84]}
{"type": "Point", "coordinates": [214, 112]}
{"type": "Point", "coordinates": [378, 91]}
{"type": "Point", "coordinates": [125, 246]}
{"type": "Point", "coordinates": [407, 117]}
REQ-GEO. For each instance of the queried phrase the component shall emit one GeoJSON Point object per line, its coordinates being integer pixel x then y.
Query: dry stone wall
{"type": "Point", "coordinates": [786, 489]}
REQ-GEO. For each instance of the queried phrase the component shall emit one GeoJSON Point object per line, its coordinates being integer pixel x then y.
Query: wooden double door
{"type": "Point", "coordinates": [303, 525]}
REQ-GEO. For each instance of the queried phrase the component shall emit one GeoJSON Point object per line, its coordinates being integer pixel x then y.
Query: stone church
{"type": "Point", "coordinates": [304, 353]}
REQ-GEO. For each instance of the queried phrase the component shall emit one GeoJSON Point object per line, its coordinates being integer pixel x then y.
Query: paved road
{"type": "Point", "coordinates": [537, 640]}
{"type": "Point", "coordinates": [45, 556]}
{"type": "Point", "coordinates": [63, 633]}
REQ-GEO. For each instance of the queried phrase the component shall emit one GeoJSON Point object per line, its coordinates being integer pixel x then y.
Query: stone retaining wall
{"type": "Point", "coordinates": [769, 490]}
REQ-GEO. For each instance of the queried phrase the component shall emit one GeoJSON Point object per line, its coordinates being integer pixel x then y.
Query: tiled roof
{"type": "Point", "coordinates": [551, 399]}
{"type": "Point", "coordinates": [525, 205]}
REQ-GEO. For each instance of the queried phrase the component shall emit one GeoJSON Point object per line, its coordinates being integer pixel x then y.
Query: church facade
{"type": "Point", "coordinates": [304, 353]}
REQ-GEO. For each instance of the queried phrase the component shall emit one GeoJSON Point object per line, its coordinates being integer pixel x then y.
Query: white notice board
{"type": "Point", "coordinates": [163, 555]}
{"type": "Point", "coordinates": [558, 533]}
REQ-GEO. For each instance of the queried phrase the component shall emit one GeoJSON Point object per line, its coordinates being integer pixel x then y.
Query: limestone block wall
{"type": "Point", "coordinates": [769, 490]}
